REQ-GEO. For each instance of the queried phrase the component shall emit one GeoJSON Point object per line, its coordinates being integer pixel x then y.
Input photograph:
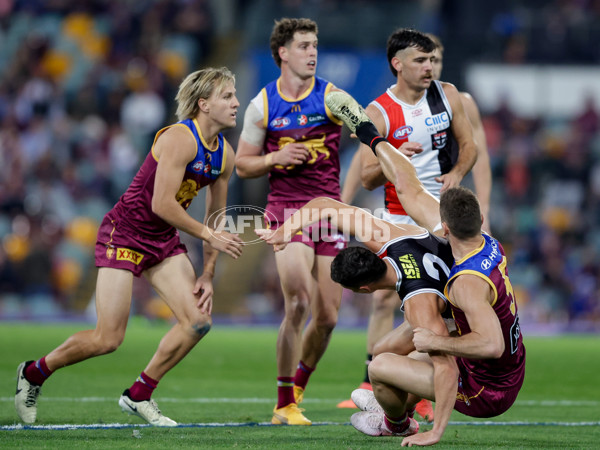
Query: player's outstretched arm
{"type": "Point", "coordinates": [349, 220]}
{"type": "Point", "coordinates": [421, 205]}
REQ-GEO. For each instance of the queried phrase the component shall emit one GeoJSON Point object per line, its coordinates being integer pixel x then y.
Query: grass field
{"type": "Point", "coordinates": [222, 395]}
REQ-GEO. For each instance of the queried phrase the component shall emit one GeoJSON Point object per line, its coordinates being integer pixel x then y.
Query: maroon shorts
{"type": "Point", "coordinates": [321, 237]}
{"type": "Point", "coordinates": [120, 248]}
{"type": "Point", "coordinates": [476, 400]}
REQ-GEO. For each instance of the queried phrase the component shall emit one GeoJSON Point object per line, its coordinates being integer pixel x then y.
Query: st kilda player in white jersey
{"type": "Point", "coordinates": [421, 117]}
{"type": "Point", "coordinates": [428, 123]}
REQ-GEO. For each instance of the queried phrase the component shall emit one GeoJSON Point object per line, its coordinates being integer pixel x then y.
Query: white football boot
{"type": "Point", "coordinates": [26, 395]}
{"type": "Point", "coordinates": [147, 410]}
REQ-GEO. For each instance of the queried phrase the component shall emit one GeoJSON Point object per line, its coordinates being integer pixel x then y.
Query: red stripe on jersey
{"type": "Point", "coordinates": [396, 120]}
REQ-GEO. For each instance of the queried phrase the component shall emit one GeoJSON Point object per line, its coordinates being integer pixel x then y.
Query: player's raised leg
{"type": "Point", "coordinates": [420, 204]}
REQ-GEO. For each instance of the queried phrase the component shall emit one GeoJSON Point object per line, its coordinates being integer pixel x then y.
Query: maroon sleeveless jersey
{"type": "Point", "coordinates": [305, 120]}
{"type": "Point", "coordinates": [489, 263]}
{"type": "Point", "coordinates": [134, 208]}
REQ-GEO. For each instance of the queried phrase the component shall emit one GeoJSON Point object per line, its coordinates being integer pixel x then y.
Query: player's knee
{"type": "Point", "coordinates": [108, 344]}
{"type": "Point", "coordinates": [406, 185]}
{"type": "Point", "coordinates": [377, 365]}
{"type": "Point", "coordinates": [379, 347]}
{"type": "Point", "coordinates": [298, 306]}
{"type": "Point", "coordinates": [201, 326]}
{"type": "Point", "coordinates": [327, 321]}
{"type": "Point", "coordinates": [201, 329]}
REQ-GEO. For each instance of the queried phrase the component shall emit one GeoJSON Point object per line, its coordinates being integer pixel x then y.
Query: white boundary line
{"type": "Point", "coordinates": [117, 426]}
{"type": "Point", "coordinates": [591, 403]}
{"type": "Point", "coordinates": [45, 399]}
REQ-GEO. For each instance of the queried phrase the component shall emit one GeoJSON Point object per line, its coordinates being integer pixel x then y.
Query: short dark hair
{"type": "Point", "coordinates": [459, 209]}
{"type": "Point", "coordinates": [354, 267]}
{"type": "Point", "coordinates": [283, 33]}
{"type": "Point", "coordinates": [407, 37]}
{"type": "Point", "coordinates": [436, 40]}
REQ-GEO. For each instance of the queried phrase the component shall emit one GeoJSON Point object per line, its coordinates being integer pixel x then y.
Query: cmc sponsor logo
{"type": "Point", "coordinates": [403, 132]}
{"type": "Point", "coordinates": [280, 122]}
{"type": "Point", "coordinates": [438, 119]}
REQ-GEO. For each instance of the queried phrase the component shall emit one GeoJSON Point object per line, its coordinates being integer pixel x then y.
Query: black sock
{"type": "Point", "coordinates": [367, 362]}
{"type": "Point", "coordinates": [368, 135]}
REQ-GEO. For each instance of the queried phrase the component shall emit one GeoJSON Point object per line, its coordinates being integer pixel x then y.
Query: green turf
{"type": "Point", "coordinates": [230, 378]}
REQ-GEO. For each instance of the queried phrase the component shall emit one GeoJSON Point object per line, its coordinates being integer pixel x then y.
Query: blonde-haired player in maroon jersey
{"type": "Point", "coordinates": [140, 236]}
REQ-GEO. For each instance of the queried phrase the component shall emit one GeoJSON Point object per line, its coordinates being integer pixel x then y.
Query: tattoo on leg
{"type": "Point", "coordinates": [201, 330]}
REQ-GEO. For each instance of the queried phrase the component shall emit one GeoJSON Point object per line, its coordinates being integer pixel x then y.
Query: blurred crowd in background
{"type": "Point", "coordinates": [84, 86]}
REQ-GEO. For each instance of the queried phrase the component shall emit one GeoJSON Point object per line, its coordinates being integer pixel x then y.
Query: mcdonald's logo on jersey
{"type": "Point", "coordinates": [296, 108]}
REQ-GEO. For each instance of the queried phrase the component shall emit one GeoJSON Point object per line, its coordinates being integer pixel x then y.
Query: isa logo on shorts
{"type": "Point", "coordinates": [403, 132]}
{"type": "Point", "coordinates": [280, 122]}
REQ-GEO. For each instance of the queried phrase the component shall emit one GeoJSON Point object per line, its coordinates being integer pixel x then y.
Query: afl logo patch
{"type": "Point", "coordinates": [198, 166]}
{"type": "Point", "coordinates": [280, 122]}
{"type": "Point", "coordinates": [403, 132]}
{"type": "Point", "coordinates": [110, 252]}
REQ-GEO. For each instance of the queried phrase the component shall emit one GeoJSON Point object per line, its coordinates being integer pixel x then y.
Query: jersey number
{"type": "Point", "coordinates": [429, 259]}
{"type": "Point", "coordinates": [515, 332]}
